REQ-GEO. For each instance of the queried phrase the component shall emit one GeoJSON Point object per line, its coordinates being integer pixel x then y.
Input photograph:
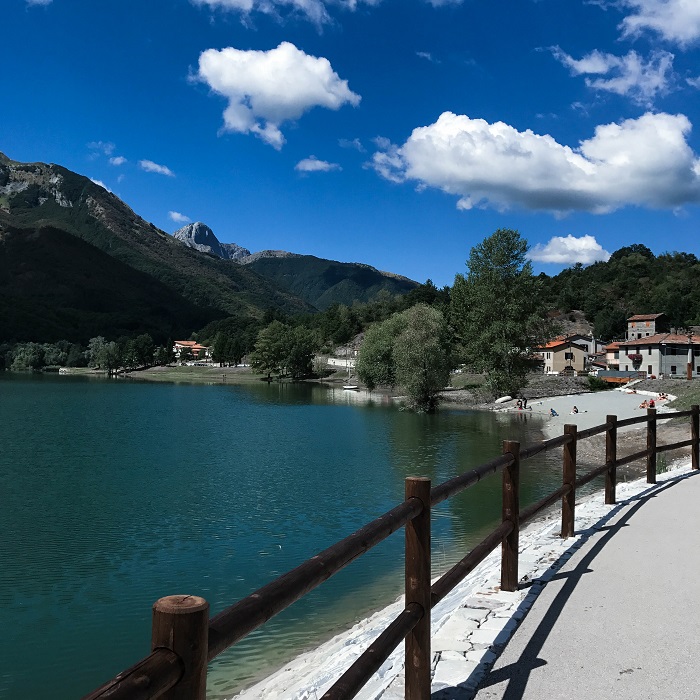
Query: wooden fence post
{"type": "Point", "coordinates": [181, 623]}
{"type": "Point", "coordinates": [611, 460]}
{"type": "Point", "coordinates": [569, 477]}
{"type": "Point", "coordinates": [695, 435]}
{"type": "Point", "coordinates": [651, 445]}
{"type": "Point", "coordinates": [418, 658]}
{"type": "Point", "coordinates": [511, 511]}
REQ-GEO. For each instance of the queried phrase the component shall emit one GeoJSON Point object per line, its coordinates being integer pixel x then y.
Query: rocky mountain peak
{"type": "Point", "coordinates": [200, 237]}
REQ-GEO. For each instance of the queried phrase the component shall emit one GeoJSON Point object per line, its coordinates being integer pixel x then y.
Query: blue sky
{"type": "Point", "coordinates": [399, 133]}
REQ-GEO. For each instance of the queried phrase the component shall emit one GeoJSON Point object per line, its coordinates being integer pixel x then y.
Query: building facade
{"type": "Point", "coordinates": [661, 355]}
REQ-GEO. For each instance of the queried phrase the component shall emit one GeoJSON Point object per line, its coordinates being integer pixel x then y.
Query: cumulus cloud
{"type": "Point", "coordinates": [314, 165]}
{"type": "Point", "coordinates": [179, 218]}
{"type": "Point", "coordinates": [314, 10]}
{"type": "Point", "coordinates": [569, 250]}
{"type": "Point", "coordinates": [39, 2]}
{"type": "Point", "coordinates": [642, 162]}
{"type": "Point", "coordinates": [150, 167]}
{"type": "Point", "coordinates": [630, 75]}
{"type": "Point", "coordinates": [677, 21]}
{"type": "Point", "coordinates": [266, 88]}
{"type": "Point", "coordinates": [117, 160]}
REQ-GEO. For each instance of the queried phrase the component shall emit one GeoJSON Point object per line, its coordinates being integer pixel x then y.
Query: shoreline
{"type": "Point", "coordinates": [469, 627]}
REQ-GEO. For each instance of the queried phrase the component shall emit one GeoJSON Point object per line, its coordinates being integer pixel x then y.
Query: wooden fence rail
{"type": "Point", "coordinates": [184, 639]}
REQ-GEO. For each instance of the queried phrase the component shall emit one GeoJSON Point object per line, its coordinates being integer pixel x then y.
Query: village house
{"type": "Point", "coordinates": [563, 354]}
{"type": "Point", "coordinates": [661, 355]}
{"type": "Point", "coordinates": [646, 325]}
{"type": "Point", "coordinates": [612, 355]}
{"type": "Point", "coordinates": [197, 351]}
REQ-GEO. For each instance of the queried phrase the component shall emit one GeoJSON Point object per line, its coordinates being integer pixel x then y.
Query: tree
{"type": "Point", "coordinates": [498, 312]}
{"type": "Point", "coordinates": [27, 356]}
{"type": "Point", "coordinates": [284, 350]}
{"type": "Point", "coordinates": [410, 349]}
{"type": "Point", "coordinates": [269, 354]}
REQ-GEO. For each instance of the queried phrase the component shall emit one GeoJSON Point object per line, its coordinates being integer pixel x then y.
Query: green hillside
{"type": "Point", "coordinates": [324, 283]}
{"type": "Point", "coordinates": [150, 282]}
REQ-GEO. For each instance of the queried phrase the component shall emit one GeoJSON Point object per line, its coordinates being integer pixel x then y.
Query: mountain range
{"type": "Point", "coordinates": [318, 281]}
{"type": "Point", "coordinates": [76, 262]}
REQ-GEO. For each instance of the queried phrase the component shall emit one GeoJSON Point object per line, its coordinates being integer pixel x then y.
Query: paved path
{"type": "Point", "coordinates": [621, 618]}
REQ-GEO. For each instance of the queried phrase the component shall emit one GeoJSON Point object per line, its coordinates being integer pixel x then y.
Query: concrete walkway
{"type": "Point", "coordinates": [621, 618]}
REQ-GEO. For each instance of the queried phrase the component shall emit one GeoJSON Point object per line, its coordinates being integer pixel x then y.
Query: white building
{"type": "Point", "coordinates": [661, 354]}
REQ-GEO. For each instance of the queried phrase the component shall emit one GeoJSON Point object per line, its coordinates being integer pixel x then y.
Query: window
{"type": "Point", "coordinates": [650, 351]}
{"type": "Point", "coordinates": [626, 368]}
{"type": "Point", "coordinates": [649, 371]}
{"type": "Point", "coordinates": [568, 355]}
{"type": "Point", "coordinates": [646, 334]}
{"type": "Point", "coordinates": [617, 354]}
{"type": "Point", "coordinates": [549, 355]}
{"type": "Point", "coordinates": [673, 369]}
{"type": "Point", "coordinates": [639, 335]}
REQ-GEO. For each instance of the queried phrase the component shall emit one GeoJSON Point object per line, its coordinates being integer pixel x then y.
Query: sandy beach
{"type": "Point", "coordinates": [593, 409]}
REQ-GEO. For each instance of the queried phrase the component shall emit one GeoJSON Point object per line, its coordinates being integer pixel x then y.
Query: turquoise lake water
{"type": "Point", "coordinates": [115, 493]}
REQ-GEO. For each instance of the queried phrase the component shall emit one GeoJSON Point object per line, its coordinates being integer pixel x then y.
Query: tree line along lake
{"type": "Point", "coordinates": [116, 493]}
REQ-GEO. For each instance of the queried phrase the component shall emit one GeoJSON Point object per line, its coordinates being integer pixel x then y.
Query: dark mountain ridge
{"type": "Point", "coordinates": [39, 203]}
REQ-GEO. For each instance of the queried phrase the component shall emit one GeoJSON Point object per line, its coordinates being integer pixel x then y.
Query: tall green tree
{"type": "Point", "coordinates": [410, 349]}
{"type": "Point", "coordinates": [498, 312]}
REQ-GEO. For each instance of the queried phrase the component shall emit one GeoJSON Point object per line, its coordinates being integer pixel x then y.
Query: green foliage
{"type": "Point", "coordinates": [633, 281]}
{"type": "Point", "coordinates": [324, 283]}
{"type": "Point", "coordinates": [410, 349]}
{"type": "Point", "coordinates": [29, 356]}
{"type": "Point", "coordinates": [595, 384]}
{"type": "Point", "coordinates": [498, 311]}
{"type": "Point", "coordinates": [284, 350]}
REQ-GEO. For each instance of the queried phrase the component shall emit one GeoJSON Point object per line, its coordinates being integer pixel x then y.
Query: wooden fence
{"type": "Point", "coordinates": [184, 639]}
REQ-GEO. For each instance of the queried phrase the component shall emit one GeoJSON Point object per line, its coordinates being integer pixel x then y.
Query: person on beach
{"type": "Point", "coordinates": [652, 403]}
{"type": "Point", "coordinates": [644, 404]}
{"type": "Point", "coordinates": [552, 412]}
{"type": "Point", "coordinates": [574, 410]}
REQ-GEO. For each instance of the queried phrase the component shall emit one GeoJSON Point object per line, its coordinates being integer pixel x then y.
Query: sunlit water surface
{"type": "Point", "coordinates": [115, 493]}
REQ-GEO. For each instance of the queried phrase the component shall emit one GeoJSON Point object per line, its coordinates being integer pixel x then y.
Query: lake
{"type": "Point", "coordinates": [114, 493]}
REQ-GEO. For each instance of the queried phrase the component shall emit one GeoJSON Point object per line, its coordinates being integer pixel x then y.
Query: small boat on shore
{"type": "Point", "coordinates": [351, 387]}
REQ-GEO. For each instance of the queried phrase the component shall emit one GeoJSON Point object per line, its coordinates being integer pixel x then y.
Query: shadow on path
{"type": "Point", "coordinates": [518, 674]}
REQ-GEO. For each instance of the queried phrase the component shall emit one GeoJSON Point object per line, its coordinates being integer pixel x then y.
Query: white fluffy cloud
{"type": "Point", "coordinates": [117, 160]}
{"type": "Point", "coordinates": [569, 250]}
{"type": "Point", "coordinates": [314, 165]}
{"type": "Point", "coordinates": [179, 218]}
{"type": "Point", "coordinates": [266, 88]}
{"type": "Point", "coordinates": [150, 167]}
{"type": "Point", "coordinates": [629, 76]}
{"type": "Point", "coordinates": [39, 2]}
{"type": "Point", "coordinates": [677, 21]}
{"type": "Point", "coordinates": [643, 162]}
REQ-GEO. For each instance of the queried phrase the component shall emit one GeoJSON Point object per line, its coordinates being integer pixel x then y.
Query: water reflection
{"type": "Point", "coordinates": [116, 493]}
